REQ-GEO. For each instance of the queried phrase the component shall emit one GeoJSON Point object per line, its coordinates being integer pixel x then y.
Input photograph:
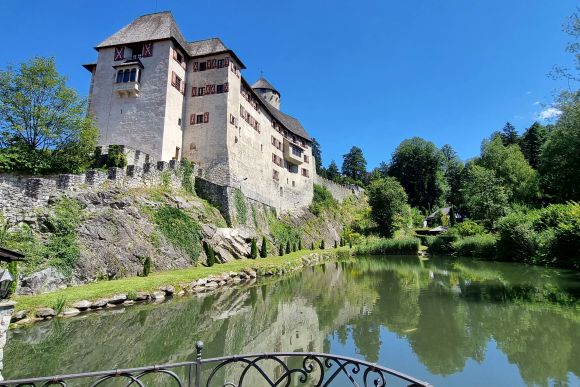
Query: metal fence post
{"type": "Point", "coordinates": [198, 348]}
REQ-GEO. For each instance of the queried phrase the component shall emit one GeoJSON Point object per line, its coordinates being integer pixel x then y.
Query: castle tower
{"type": "Point", "coordinates": [267, 92]}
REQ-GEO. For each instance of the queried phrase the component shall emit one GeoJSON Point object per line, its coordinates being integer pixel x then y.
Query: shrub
{"type": "Point", "coordinates": [13, 270]}
{"type": "Point", "coordinates": [389, 246]}
{"type": "Point", "coordinates": [209, 253]}
{"type": "Point", "coordinates": [254, 249]}
{"type": "Point", "coordinates": [116, 157]}
{"type": "Point", "coordinates": [443, 243]}
{"type": "Point", "coordinates": [517, 237]}
{"type": "Point", "coordinates": [322, 199]}
{"type": "Point", "coordinates": [322, 247]}
{"type": "Point", "coordinates": [468, 228]}
{"type": "Point", "coordinates": [146, 266]}
{"type": "Point", "coordinates": [165, 179]}
{"type": "Point", "coordinates": [241, 208]}
{"type": "Point", "coordinates": [335, 244]}
{"type": "Point", "coordinates": [299, 244]}
{"type": "Point", "coordinates": [387, 199]}
{"type": "Point", "coordinates": [281, 251]}
{"type": "Point", "coordinates": [59, 304]}
{"type": "Point", "coordinates": [288, 248]}
{"type": "Point", "coordinates": [561, 234]}
{"type": "Point", "coordinates": [264, 248]}
{"type": "Point", "coordinates": [312, 246]}
{"type": "Point", "coordinates": [480, 246]}
{"type": "Point", "coordinates": [187, 176]}
{"type": "Point", "coordinates": [132, 295]}
{"type": "Point", "coordinates": [179, 229]}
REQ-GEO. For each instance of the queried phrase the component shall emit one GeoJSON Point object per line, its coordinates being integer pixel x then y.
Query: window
{"type": "Point", "coordinates": [133, 75]}
{"type": "Point", "coordinates": [306, 159]}
{"type": "Point", "coordinates": [200, 91]}
{"type": "Point", "coordinates": [220, 63]}
{"type": "Point", "coordinates": [202, 66]}
{"type": "Point", "coordinates": [179, 121]}
{"type": "Point", "coordinates": [276, 176]}
{"type": "Point", "coordinates": [233, 120]}
{"type": "Point", "coordinates": [296, 151]}
{"type": "Point", "coordinates": [220, 89]}
{"type": "Point", "coordinates": [126, 75]}
{"type": "Point", "coordinates": [305, 172]}
{"type": "Point", "coordinates": [120, 76]}
{"type": "Point", "coordinates": [176, 82]}
{"type": "Point", "coordinates": [293, 183]}
{"type": "Point", "coordinates": [199, 119]}
{"type": "Point", "coordinates": [292, 168]}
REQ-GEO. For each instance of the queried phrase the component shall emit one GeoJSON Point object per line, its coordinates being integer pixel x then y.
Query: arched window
{"type": "Point", "coordinates": [126, 75]}
{"type": "Point", "coordinates": [120, 76]}
{"type": "Point", "coordinates": [133, 75]}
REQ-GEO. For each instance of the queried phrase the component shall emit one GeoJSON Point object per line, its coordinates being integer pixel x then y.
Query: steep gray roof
{"type": "Point", "coordinates": [262, 83]}
{"type": "Point", "coordinates": [206, 47]}
{"type": "Point", "coordinates": [154, 26]}
{"type": "Point", "coordinates": [289, 122]}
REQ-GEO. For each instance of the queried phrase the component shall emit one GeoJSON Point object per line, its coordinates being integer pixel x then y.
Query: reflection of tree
{"type": "Point", "coordinates": [366, 336]}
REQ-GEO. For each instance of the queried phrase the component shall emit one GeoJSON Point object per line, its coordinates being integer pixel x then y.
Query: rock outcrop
{"type": "Point", "coordinates": [43, 281]}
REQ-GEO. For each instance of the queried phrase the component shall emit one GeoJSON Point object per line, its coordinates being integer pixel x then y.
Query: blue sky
{"type": "Point", "coordinates": [365, 73]}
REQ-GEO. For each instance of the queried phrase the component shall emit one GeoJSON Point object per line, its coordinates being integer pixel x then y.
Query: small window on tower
{"type": "Point", "coordinates": [220, 89]}
{"type": "Point", "coordinates": [202, 66]}
{"type": "Point", "coordinates": [120, 76]}
{"type": "Point", "coordinates": [179, 121]}
{"type": "Point", "coordinates": [200, 91]}
{"type": "Point", "coordinates": [133, 75]}
{"type": "Point", "coordinates": [199, 119]}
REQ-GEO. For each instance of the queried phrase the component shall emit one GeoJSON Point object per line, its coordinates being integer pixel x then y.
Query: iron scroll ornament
{"type": "Point", "coordinates": [316, 369]}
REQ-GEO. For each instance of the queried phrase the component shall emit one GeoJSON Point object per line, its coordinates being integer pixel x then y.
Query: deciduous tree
{"type": "Point", "coordinates": [387, 199]}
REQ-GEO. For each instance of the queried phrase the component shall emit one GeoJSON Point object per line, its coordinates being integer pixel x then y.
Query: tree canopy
{"type": "Point", "coordinates": [43, 123]}
{"type": "Point", "coordinates": [388, 200]}
{"type": "Point", "coordinates": [531, 143]}
{"type": "Point", "coordinates": [354, 164]}
{"type": "Point", "coordinates": [317, 154]}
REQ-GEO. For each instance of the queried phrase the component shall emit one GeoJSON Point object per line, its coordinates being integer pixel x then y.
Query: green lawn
{"type": "Point", "coordinates": [104, 289]}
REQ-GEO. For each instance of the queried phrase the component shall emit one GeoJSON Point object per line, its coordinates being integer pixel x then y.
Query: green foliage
{"type": "Point", "coordinates": [509, 135]}
{"type": "Point", "coordinates": [43, 124]}
{"type": "Point", "coordinates": [517, 237]}
{"type": "Point", "coordinates": [332, 172]}
{"type": "Point", "coordinates": [146, 266]}
{"type": "Point", "coordinates": [387, 199]}
{"type": "Point", "coordinates": [389, 246]}
{"type": "Point", "coordinates": [443, 243]}
{"type": "Point", "coordinates": [317, 154]}
{"type": "Point", "coordinates": [322, 199]}
{"type": "Point", "coordinates": [335, 244]}
{"type": "Point", "coordinates": [116, 157]}
{"type": "Point", "coordinates": [479, 246]}
{"type": "Point", "coordinates": [452, 219]}
{"type": "Point", "coordinates": [288, 248]}
{"type": "Point", "coordinates": [354, 165]}
{"type": "Point", "coordinates": [241, 207]}
{"type": "Point", "coordinates": [253, 249]}
{"type": "Point", "coordinates": [132, 295]}
{"type": "Point", "coordinates": [59, 305]}
{"type": "Point", "coordinates": [179, 229]}
{"type": "Point", "coordinates": [417, 165]}
{"type": "Point", "coordinates": [312, 246]}
{"type": "Point", "coordinates": [468, 228]}
{"type": "Point", "coordinates": [300, 244]}
{"type": "Point", "coordinates": [282, 232]}
{"type": "Point", "coordinates": [264, 248]}
{"type": "Point", "coordinates": [165, 179]}
{"type": "Point", "coordinates": [511, 168]}
{"type": "Point", "coordinates": [453, 171]}
{"type": "Point", "coordinates": [322, 247]}
{"type": "Point", "coordinates": [532, 142]}
{"type": "Point", "coordinates": [187, 181]}
{"type": "Point", "coordinates": [13, 270]}
{"type": "Point", "coordinates": [560, 158]}
{"type": "Point", "coordinates": [485, 197]}
{"type": "Point", "coordinates": [63, 248]}
{"type": "Point", "coordinates": [281, 250]}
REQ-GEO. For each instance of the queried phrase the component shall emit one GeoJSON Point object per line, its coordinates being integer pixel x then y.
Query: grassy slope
{"type": "Point", "coordinates": [155, 280]}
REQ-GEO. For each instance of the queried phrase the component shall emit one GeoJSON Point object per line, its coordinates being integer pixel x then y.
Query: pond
{"type": "Point", "coordinates": [452, 322]}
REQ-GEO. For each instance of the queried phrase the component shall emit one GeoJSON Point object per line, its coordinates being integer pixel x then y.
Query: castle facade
{"type": "Point", "coordinates": [153, 91]}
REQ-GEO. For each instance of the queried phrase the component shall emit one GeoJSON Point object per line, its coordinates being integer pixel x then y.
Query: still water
{"type": "Point", "coordinates": [452, 322]}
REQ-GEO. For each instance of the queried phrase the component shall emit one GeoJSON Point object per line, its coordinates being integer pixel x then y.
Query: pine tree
{"type": "Point", "coordinates": [509, 134]}
{"type": "Point", "coordinates": [332, 172]}
{"type": "Point", "coordinates": [254, 249]}
{"type": "Point", "coordinates": [335, 244]}
{"type": "Point", "coordinates": [354, 164]}
{"type": "Point", "coordinates": [322, 245]}
{"type": "Point", "coordinates": [294, 247]}
{"type": "Point", "coordinates": [281, 251]}
{"type": "Point", "coordinates": [146, 266]}
{"type": "Point", "coordinates": [211, 257]}
{"type": "Point", "coordinates": [532, 141]}
{"type": "Point", "coordinates": [299, 244]}
{"type": "Point", "coordinates": [452, 219]}
{"type": "Point", "coordinates": [312, 246]}
{"type": "Point", "coordinates": [288, 248]}
{"type": "Point", "coordinates": [264, 248]}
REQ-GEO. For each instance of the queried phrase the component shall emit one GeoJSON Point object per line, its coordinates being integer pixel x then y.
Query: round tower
{"type": "Point", "coordinates": [267, 92]}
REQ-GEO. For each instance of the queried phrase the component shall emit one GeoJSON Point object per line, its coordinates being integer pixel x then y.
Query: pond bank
{"type": "Point", "coordinates": [75, 300]}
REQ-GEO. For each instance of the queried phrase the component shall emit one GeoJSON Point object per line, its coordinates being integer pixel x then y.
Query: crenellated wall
{"type": "Point", "coordinates": [338, 191]}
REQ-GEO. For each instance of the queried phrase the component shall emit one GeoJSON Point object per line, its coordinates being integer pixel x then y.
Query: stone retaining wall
{"type": "Point", "coordinates": [338, 191]}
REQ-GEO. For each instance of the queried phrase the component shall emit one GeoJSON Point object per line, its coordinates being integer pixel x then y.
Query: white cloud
{"type": "Point", "coordinates": [549, 113]}
{"type": "Point", "coordinates": [536, 103]}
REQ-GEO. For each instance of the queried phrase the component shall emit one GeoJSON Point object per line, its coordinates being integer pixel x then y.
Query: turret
{"type": "Point", "coordinates": [267, 92]}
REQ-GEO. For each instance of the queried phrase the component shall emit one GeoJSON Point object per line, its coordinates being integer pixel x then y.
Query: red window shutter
{"type": "Point", "coordinates": [182, 88]}
{"type": "Point", "coordinates": [206, 117]}
{"type": "Point", "coordinates": [208, 64]}
{"type": "Point", "coordinates": [192, 119]}
{"type": "Point", "coordinates": [173, 78]}
{"type": "Point", "coordinates": [119, 53]}
{"type": "Point", "coordinates": [194, 91]}
{"type": "Point", "coordinates": [147, 50]}
{"type": "Point", "coordinates": [174, 53]}
{"type": "Point", "coordinates": [195, 66]}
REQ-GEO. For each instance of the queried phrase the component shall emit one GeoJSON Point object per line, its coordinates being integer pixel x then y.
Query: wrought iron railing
{"type": "Point", "coordinates": [265, 369]}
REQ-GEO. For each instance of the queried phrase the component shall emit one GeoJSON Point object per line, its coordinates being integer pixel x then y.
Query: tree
{"type": "Point", "coordinates": [322, 247]}
{"type": "Point", "coordinates": [332, 172]}
{"type": "Point", "coordinates": [417, 165]}
{"type": "Point", "coordinates": [387, 199]}
{"type": "Point", "coordinates": [486, 198]}
{"type": "Point", "coordinates": [560, 158]}
{"type": "Point", "coordinates": [281, 250]}
{"type": "Point", "coordinates": [531, 143]}
{"type": "Point", "coordinates": [511, 168]}
{"type": "Point", "coordinates": [317, 154]}
{"type": "Point", "coordinates": [299, 244]}
{"type": "Point", "coordinates": [254, 249]}
{"type": "Point", "coordinates": [354, 164]}
{"type": "Point", "coordinates": [288, 248]}
{"type": "Point", "coordinates": [509, 134]}
{"type": "Point", "coordinates": [43, 123]}
{"type": "Point", "coordinates": [146, 266]}
{"type": "Point", "coordinates": [453, 171]}
{"type": "Point", "coordinates": [264, 248]}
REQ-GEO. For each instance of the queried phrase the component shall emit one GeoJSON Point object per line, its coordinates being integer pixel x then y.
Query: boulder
{"type": "Point", "coordinates": [156, 296]}
{"type": "Point", "coordinates": [229, 243]}
{"type": "Point", "coordinates": [45, 313]}
{"type": "Point", "coordinates": [142, 296]}
{"type": "Point", "coordinates": [128, 302]}
{"type": "Point", "coordinates": [82, 305]}
{"type": "Point", "coordinates": [100, 303]}
{"type": "Point", "coordinates": [69, 312]}
{"type": "Point", "coordinates": [43, 281]}
{"type": "Point", "coordinates": [168, 289]}
{"type": "Point", "coordinates": [251, 273]}
{"type": "Point", "coordinates": [118, 299]}
{"type": "Point", "coordinates": [20, 315]}
{"type": "Point", "coordinates": [212, 285]}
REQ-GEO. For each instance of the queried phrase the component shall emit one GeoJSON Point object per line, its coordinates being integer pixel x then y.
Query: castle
{"type": "Point", "coordinates": [153, 91]}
